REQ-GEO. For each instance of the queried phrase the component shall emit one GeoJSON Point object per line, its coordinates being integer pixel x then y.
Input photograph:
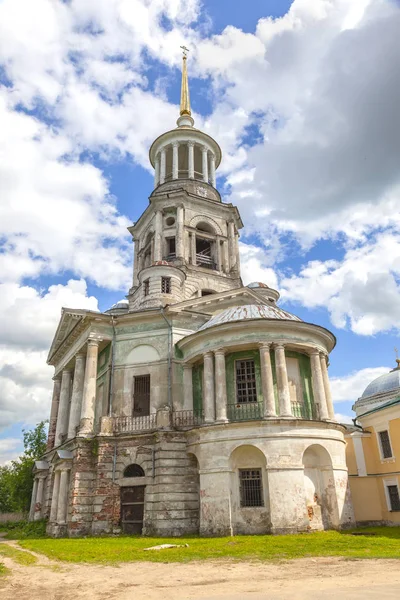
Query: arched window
{"type": "Point", "coordinates": [134, 471]}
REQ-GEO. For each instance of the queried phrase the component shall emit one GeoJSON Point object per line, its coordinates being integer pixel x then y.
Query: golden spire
{"type": "Point", "coordinates": [185, 99]}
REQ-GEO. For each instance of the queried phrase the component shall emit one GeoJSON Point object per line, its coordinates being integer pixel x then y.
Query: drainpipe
{"type": "Point", "coordinates": [110, 394]}
{"type": "Point", "coordinates": [169, 357]}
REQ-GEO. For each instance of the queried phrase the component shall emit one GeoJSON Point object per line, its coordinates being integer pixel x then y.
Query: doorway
{"type": "Point", "coordinates": [141, 396]}
{"type": "Point", "coordinates": [132, 509]}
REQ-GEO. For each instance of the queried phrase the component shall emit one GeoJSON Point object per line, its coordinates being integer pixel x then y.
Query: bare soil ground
{"type": "Point", "coordinates": [209, 580]}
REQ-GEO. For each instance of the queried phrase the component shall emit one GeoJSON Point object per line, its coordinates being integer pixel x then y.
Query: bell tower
{"type": "Point", "coordinates": [186, 241]}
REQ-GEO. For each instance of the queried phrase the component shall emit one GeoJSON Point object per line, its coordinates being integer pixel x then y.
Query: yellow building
{"type": "Point", "coordinates": [373, 452]}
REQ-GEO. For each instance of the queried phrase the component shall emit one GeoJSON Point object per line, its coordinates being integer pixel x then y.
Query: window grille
{"type": "Point", "coordinates": [246, 390]}
{"type": "Point", "coordinates": [385, 444]}
{"type": "Point", "coordinates": [134, 471]}
{"type": "Point", "coordinates": [146, 287]}
{"type": "Point", "coordinates": [251, 493]}
{"type": "Point", "coordinates": [394, 497]}
{"type": "Point", "coordinates": [166, 285]}
{"type": "Point", "coordinates": [141, 396]}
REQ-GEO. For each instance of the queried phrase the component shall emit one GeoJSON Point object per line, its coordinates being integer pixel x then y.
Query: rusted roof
{"type": "Point", "coordinates": [247, 312]}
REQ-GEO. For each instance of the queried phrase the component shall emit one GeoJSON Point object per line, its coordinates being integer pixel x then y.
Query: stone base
{"type": "Point", "coordinates": [57, 531]}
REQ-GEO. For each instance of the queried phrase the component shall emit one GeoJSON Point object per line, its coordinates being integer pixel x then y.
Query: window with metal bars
{"type": "Point", "coordinates": [165, 285]}
{"type": "Point", "coordinates": [385, 444]}
{"type": "Point", "coordinates": [146, 287]}
{"type": "Point", "coordinates": [394, 497]}
{"type": "Point", "coordinates": [141, 395]}
{"type": "Point", "coordinates": [246, 390]}
{"type": "Point", "coordinates": [251, 493]}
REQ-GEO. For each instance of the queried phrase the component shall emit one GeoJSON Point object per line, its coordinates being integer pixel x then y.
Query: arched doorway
{"type": "Point", "coordinates": [132, 501]}
{"type": "Point", "coordinates": [319, 488]}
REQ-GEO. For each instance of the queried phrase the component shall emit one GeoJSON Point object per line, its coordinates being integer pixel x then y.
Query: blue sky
{"type": "Point", "coordinates": [289, 90]}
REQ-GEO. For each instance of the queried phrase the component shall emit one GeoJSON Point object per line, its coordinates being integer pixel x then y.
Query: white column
{"type": "Point", "coordinates": [39, 498]}
{"type": "Point", "coordinates": [135, 279]}
{"type": "Point", "coordinates": [204, 164]}
{"type": "Point", "coordinates": [212, 169]}
{"type": "Point", "coordinates": [89, 388]}
{"type": "Point", "coordinates": [219, 254]}
{"type": "Point", "coordinates": [54, 412]}
{"type": "Point", "coordinates": [33, 500]}
{"type": "Point", "coordinates": [188, 387]}
{"type": "Point", "coordinates": [191, 159]}
{"type": "Point", "coordinates": [63, 407]}
{"type": "Point", "coordinates": [62, 504]}
{"type": "Point", "coordinates": [226, 256]}
{"type": "Point", "coordinates": [162, 166]}
{"type": "Point", "coordinates": [221, 399]}
{"type": "Point", "coordinates": [209, 401]}
{"type": "Point", "coordinates": [318, 385]}
{"type": "Point", "coordinates": [237, 254]}
{"type": "Point", "coordinates": [158, 236]}
{"type": "Point", "coordinates": [285, 408]}
{"type": "Point", "coordinates": [267, 381]}
{"type": "Point", "coordinates": [180, 246]}
{"type": "Point", "coordinates": [77, 393]}
{"type": "Point", "coordinates": [157, 171]}
{"type": "Point", "coordinates": [327, 387]}
{"type": "Point", "coordinates": [54, 498]}
{"type": "Point", "coordinates": [175, 173]}
{"type": "Point", "coordinates": [193, 247]}
{"type": "Point", "coordinates": [231, 245]}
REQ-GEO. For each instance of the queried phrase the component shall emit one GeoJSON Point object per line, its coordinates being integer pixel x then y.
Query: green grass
{"type": "Point", "coordinates": [384, 544]}
{"type": "Point", "coordinates": [18, 556]}
{"type": "Point", "coordinates": [3, 570]}
{"type": "Point", "coordinates": [21, 530]}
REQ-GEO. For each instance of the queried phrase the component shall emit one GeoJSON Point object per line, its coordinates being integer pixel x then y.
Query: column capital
{"type": "Point", "coordinates": [314, 352]}
{"type": "Point", "coordinates": [93, 342]}
{"type": "Point", "coordinates": [220, 352]}
{"type": "Point", "coordinates": [188, 366]}
{"type": "Point", "coordinates": [265, 345]}
{"type": "Point", "coordinates": [57, 377]}
{"type": "Point", "coordinates": [208, 354]}
{"type": "Point", "coordinates": [190, 143]}
{"type": "Point", "coordinates": [279, 345]}
{"type": "Point", "coordinates": [204, 149]}
{"type": "Point", "coordinates": [67, 370]}
{"type": "Point", "coordinates": [80, 354]}
{"type": "Point", "coordinates": [175, 144]}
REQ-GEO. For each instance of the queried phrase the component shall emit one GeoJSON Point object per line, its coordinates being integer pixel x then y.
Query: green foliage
{"type": "Point", "coordinates": [384, 542]}
{"type": "Point", "coordinates": [16, 480]}
{"type": "Point", "coordinates": [24, 530]}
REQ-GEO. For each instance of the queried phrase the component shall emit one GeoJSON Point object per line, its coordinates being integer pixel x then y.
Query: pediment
{"type": "Point", "coordinates": [213, 303]}
{"type": "Point", "coordinates": [69, 322]}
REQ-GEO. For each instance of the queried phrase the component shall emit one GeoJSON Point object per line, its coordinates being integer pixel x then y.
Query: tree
{"type": "Point", "coordinates": [16, 480]}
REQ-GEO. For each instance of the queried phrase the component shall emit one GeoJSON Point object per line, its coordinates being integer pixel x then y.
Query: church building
{"type": "Point", "coordinates": [196, 405]}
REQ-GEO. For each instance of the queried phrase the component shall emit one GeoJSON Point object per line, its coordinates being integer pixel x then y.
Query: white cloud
{"type": "Point", "coordinates": [343, 418]}
{"type": "Point", "coordinates": [10, 448]}
{"type": "Point", "coordinates": [350, 387]}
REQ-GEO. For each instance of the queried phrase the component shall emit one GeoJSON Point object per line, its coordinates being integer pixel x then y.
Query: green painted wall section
{"type": "Point", "coordinates": [197, 378]}
{"type": "Point", "coordinates": [231, 376]}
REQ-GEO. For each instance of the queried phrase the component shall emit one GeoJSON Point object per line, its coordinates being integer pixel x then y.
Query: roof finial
{"type": "Point", "coordinates": [185, 99]}
{"type": "Point", "coordinates": [397, 358]}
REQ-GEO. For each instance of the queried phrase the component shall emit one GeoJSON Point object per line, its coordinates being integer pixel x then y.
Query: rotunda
{"type": "Point", "coordinates": [379, 391]}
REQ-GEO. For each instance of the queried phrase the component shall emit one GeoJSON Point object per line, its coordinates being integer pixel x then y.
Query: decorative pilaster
{"type": "Point", "coordinates": [237, 253]}
{"type": "Point", "coordinates": [212, 169]}
{"type": "Point", "coordinates": [327, 387]}
{"type": "Point", "coordinates": [77, 393]}
{"type": "Point", "coordinates": [190, 146]}
{"type": "Point", "coordinates": [187, 387]}
{"type": "Point", "coordinates": [231, 245]}
{"type": "Point", "coordinates": [62, 417]}
{"type": "Point", "coordinates": [267, 381]}
{"type": "Point", "coordinates": [135, 263]}
{"type": "Point", "coordinates": [175, 150]}
{"type": "Point", "coordinates": [162, 166]}
{"type": "Point", "coordinates": [219, 255]}
{"type": "Point", "coordinates": [204, 152]}
{"type": "Point", "coordinates": [209, 400]}
{"type": "Point", "coordinates": [157, 171]}
{"type": "Point", "coordinates": [62, 504]}
{"type": "Point", "coordinates": [180, 216]}
{"type": "Point", "coordinates": [158, 236]}
{"type": "Point", "coordinates": [318, 385]}
{"type": "Point", "coordinates": [221, 399]}
{"type": "Point", "coordinates": [89, 389]}
{"type": "Point", "coordinates": [54, 498]}
{"type": "Point", "coordinates": [193, 248]}
{"type": "Point", "coordinates": [54, 412]}
{"type": "Point", "coordinates": [285, 408]}
{"type": "Point", "coordinates": [225, 256]}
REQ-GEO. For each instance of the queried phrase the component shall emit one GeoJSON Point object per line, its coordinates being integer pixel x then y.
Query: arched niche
{"type": "Point", "coordinates": [134, 470]}
{"type": "Point", "coordinates": [319, 488]}
{"type": "Point", "coordinates": [144, 353]}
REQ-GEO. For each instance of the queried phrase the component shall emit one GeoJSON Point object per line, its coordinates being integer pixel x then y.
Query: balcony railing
{"type": "Point", "coordinates": [246, 411]}
{"type": "Point", "coordinates": [186, 418]}
{"type": "Point", "coordinates": [205, 261]}
{"type": "Point", "coordinates": [303, 411]}
{"type": "Point", "coordinates": [130, 424]}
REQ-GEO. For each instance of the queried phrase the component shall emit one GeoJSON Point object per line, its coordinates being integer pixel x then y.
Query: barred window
{"type": "Point", "coordinates": [251, 493]}
{"type": "Point", "coordinates": [246, 390]}
{"type": "Point", "coordinates": [394, 497]}
{"type": "Point", "coordinates": [166, 285]}
{"type": "Point", "coordinates": [146, 287]}
{"type": "Point", "coordinates": [385, 444]}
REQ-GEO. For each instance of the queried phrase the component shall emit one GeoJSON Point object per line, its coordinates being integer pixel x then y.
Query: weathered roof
{"type": "Point", "coordinates": [382, 406]}
{"type": "Point", "coordinates": [384, 383]}
{"type": "Point", "coordinates": [248, 312]}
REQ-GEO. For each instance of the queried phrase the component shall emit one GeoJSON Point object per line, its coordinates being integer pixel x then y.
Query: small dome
{"type": "Point", "coordinates": [248, 312]}
{"type": "Point", "coordinates": [119, 306]}
{"type": "Point", "coordinates": [257, 284]}
{"type": "Point", "coordinates": [383, 384]}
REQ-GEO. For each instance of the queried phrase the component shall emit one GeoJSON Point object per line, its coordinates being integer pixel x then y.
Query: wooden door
{"type": "Point", "coordinates": [132, 509]}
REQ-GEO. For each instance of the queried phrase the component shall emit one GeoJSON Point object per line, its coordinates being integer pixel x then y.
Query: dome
{"type": "Point", "coordinates": [248, 312]}
{"type": "Point", "coordinates": [383, 384]}
{"type": "Point", "coordinates": [257, 284]}
{"type": "Point", "coordinates": [119, 306]}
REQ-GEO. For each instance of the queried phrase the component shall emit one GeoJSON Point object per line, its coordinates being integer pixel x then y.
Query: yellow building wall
{"type": "Point", "coordinates": [351, 456]}
{"type": "Point", "coordinates": [366, 498]}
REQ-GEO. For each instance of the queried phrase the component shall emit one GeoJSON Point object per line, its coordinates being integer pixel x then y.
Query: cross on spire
{"type": "Point", "coordinates": [185, 51]}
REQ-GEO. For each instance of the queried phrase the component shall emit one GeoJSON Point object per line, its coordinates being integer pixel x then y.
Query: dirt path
{"type": "Point", "coordinates": [210, 580]}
